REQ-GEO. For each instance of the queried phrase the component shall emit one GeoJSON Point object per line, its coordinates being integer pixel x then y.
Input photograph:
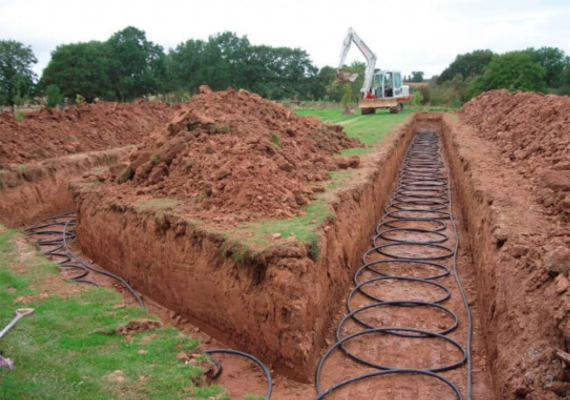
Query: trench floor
{"type": "Point", "coordinates": [241, 377]}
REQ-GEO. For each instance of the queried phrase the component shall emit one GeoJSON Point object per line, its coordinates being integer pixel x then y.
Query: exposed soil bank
{"type": "Point", "coordinates": [40, 189]}
{"type": "Point", "coordinates": [276, 304]}
{"type": "Point", "coordinates": [50, 133]}
{"type": "Point", "coordinates": [524, 306]}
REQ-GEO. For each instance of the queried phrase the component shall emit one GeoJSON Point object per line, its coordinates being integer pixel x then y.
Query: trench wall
{"type": "Point", "coordinates": [37, 190]}
{"type": "Point", "coordinates": [513, 291]}
{"type": "Point", "coordinates": [276, 305]}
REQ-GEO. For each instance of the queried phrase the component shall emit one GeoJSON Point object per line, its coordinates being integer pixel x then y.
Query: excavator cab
{"type": "Point", "coordinates": [388, 84]}
{"type": "Point", "coordinates": [387, 91]}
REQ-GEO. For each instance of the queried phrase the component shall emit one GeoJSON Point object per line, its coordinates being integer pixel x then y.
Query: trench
{"type": "Point", "coordinates": [284, 307]}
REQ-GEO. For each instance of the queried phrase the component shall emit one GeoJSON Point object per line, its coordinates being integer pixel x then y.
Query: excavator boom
{"type": "Point", "coordinates": [344, 76]}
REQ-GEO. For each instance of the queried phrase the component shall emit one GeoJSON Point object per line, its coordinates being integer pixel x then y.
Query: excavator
{"type": "Point", "coordinates": [383, 89]}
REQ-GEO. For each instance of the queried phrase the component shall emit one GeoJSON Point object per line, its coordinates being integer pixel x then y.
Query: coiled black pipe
{"type": "Point", "coordinates": [422, 198]}
{"type": "Point", "coordinates": [249, 357]}
{"type": "Point", "coordinates": [58, 247]}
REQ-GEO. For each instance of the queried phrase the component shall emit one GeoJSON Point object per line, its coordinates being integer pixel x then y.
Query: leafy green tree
{"type": "Point", "coordinates": [511, 71]}
{"type": "Point", "coordinates": [336, 89]}
{"type": "Point", "coordinates": [226, 58]}
{"type": "Point", "coordinates": [468, 65]}
{"type": "Point", "coordinates": [137, 66]}
{"type": "Point", "coordinates": [321, 80]}
{"type": "Point", "coordinates": [281, 72]}
{"type": "Point", "coordinates": [16, 75]}
{"type": "Point", "coordinates": [553, 60]}
{"type": "Point", "coordinates": [185, 65]}
{"type": "Point", "coordinates": [347, 95]}
{"type": "Point", "coordinates": [417, 98]}
{"type": "Point", "coordinates": [417, 76]}
{"type": "Point", "coordinates": [80, 69]}
{"type": "Point", "coordinates": [229, 60]}
{"type": "Point", "coordinates": [54, 96]}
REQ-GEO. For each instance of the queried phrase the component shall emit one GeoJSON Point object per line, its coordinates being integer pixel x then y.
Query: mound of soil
{"type": "Point", "coordinates": [76, 129]}
{"type": "Point", "coordinates": [532, 131]}
{"type": "Point", "coordinates": [236, 155]}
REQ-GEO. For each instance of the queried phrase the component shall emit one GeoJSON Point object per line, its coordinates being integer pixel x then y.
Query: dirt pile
{"type": "Point", "coordinates": [532, 131]}
{"type": "Point", "coordinates": [236, 156]}
{"type": "Point", "coordinates": [50, 133]}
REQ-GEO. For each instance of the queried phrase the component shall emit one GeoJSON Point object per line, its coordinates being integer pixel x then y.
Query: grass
{"type": "Point", "coordinates": [370, 129]}
{"type": "Point", "coordinates": [275, 141]}
{"type": "Point", "coordinates": [258, 235]}
{"type": "Point", "coordinates": [62, 351]}
{"type": "Point", "coordinates": [339, 178]}
{"type": "Point", "coordinates": [221, 128]}
{"type": "Point", "coordinates": [158, 204]}
{"type": "Point", "coordinates": [125, 175]}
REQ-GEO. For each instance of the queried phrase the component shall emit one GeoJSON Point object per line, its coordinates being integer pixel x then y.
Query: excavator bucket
{"type": "Point", "coordinates": [345, 77]}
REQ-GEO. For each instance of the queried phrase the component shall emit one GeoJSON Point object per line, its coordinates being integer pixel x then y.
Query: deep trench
{"type": "Point", "coordinates": [409, 385]}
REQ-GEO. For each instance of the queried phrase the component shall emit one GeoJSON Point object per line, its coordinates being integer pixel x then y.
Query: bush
{"type": "Point", "coordinates": [347, 95]}
{"type": "Point", "coordinates": [54, 96]}
{"type": "Point", "coordinates": [417, 98]}
{"type": "Point", "coordinates": [511, 71]}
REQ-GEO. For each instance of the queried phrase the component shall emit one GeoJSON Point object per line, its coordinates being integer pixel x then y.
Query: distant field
{"type": "Point", "coordinates": [370, 129]}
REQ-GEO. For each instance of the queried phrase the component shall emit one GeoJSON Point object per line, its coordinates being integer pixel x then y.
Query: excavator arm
{"type": "Point", "coordinates": [344, 76]}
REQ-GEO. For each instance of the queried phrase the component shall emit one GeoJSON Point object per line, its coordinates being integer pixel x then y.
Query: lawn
{"type": "Point", "coordinates": [65, 350]}
{"type": "Point", "coordinates": [370, 129]}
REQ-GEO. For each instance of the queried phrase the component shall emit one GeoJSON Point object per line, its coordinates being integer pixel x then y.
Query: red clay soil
{"type": "Point", "coordinates": [51, 133]}
{"type": "Point", "coordinates": [518, 161]}
{"type": "Point", "coordinates": [234, 156]}
{"type": "Point", "coordinates": [532, 131]}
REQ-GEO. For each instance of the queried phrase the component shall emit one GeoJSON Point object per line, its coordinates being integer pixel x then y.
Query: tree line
{"type": "Point", "coordinates": [545, 70]}
{"type": "Point", "coordinates": [128, 66]}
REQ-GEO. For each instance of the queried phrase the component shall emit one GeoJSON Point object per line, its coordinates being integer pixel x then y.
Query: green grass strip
{"type": "Point", "coordinates": [61, 351]}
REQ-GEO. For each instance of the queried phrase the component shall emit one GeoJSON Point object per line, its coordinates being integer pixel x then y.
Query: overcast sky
{"type": "Point", "coordinates": [406, 35]}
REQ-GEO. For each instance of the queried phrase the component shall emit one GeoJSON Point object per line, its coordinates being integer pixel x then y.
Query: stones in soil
{"type": "Point", "coordinates": [532, 131]}
{"type": "Point", "coordinates": [238, 156]}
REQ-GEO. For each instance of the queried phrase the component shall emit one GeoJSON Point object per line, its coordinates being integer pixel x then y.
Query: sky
{"type": "Point", "coordinates": [406, 35]}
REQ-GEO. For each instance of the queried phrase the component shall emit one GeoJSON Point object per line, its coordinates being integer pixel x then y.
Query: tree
{"type": "Point", "coordinates": [417, 76]}
{"type": "Point", "coordinates": [137, 66]}
{"type": "Point", "coordinates": [511, 71]}
{"type": "Point", "coordinates": [16, 75]}
{"type": "Point", "coordinates": [553, 60]}
{"type": "Point", "coordinates": [185, 65]}
{"type": "Point", "coordinates": [347, 95]}
{"type": "Point", "coordinates": [335, 89]}
{"type": "Point", "coordinates": [54, 96]}
{"type": "Point", "coordinates": [323, 79]}
{"type": "Point", "coordinates": [468, 65]}
{"type": "Point", "coordinates": [80, 69]}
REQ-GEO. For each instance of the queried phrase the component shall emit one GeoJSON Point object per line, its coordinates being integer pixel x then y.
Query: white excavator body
{"type": "Point", "coordinates": [383, 89]}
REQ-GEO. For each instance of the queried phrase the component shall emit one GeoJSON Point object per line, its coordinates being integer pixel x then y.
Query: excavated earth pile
{"type": "Point", "coordinates": [515, 169]}
{"type": "Point", "coordinates": [164, 220]}
{"type": "Point", "coordinates": [532, 131]}
{"type": "Point", "coordinates": [52, 133]}
{"type": "Point", "coordinates": [233, 157]}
